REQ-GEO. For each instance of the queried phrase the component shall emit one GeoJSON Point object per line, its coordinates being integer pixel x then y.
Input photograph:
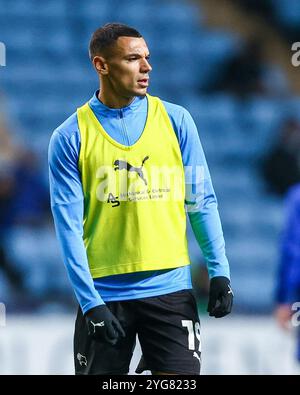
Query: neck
{"type": "Point", "coordinates": [113, 101]}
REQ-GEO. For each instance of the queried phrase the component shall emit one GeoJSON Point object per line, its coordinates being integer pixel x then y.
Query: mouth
{"type": "Point", "coordinates": [144, 82]}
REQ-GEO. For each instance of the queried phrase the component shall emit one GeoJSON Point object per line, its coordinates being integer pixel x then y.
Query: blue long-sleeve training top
{"type": "Point", "coordinates": [288, 284]}
{"type": "Point", "coordinates": [125, 125]}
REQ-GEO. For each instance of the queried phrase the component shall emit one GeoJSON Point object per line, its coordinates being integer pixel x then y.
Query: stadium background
{"type": "Point", "coordinates": [229, 64]}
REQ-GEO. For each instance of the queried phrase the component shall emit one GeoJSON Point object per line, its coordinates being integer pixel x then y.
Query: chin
{"type": "Point", "coordinates": [140, 92]}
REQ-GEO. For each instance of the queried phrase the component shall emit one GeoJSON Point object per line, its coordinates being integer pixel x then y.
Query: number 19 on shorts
{"type": "Point", "coordinates": [193, 334]}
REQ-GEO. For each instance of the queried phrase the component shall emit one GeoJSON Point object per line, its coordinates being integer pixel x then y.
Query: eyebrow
{"type": "Point", "coordinates": [135, 54]}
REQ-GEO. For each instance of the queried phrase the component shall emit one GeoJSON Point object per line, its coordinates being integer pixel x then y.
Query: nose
{"type": "Point", "coordinates": [145, 66]}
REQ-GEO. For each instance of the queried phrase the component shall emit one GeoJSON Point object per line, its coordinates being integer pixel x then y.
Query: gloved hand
{"type": "Point", "coordinates": [220, 297]}
{"type": "Point", "coordinates": [103, 325]}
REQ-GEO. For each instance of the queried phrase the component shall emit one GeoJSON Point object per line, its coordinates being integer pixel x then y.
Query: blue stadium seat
{"type": "Point", "coordinates": [253, 293]}
{"type": "Point", "coordinates": [288, 13]}
{"type": "Point", "coordinates": [36, 253]}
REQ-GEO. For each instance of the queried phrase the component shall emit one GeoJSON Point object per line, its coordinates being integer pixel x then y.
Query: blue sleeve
{"type": "Point", "coordinates": [288, 276]}
{"type": "Point", "coordinates": [67, 208]}
{"type": "Point", "coordinates": [201, 202]}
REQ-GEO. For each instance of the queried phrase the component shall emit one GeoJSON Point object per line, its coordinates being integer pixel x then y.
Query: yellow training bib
{"type": "Point", "coordinates": [134, 216]}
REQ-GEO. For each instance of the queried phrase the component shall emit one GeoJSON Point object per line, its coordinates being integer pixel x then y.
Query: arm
{"type": "Point", "coordinates": [67, 208]}
{"type": "Point", "coordinates": [203, 213]}
{"type": "Point", "coordinates": [201, 200]}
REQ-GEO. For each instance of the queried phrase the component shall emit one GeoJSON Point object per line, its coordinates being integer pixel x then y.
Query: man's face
{"type": "Point", "coordinates": [128, 67]}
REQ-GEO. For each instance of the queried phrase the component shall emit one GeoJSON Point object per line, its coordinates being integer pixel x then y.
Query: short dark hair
{"type": "Point", "coordinates": [107, 35]}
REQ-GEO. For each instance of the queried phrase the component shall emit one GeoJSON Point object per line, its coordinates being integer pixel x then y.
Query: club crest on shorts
{"type": "Point", "coordinates": [82, 359]}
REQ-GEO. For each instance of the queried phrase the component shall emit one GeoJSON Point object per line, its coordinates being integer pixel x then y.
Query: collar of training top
{"type": "Point", "coordinates": [99, 108]}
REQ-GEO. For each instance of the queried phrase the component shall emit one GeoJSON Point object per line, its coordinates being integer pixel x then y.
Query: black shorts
{"type": "Point", "coordinates": [168, 329]}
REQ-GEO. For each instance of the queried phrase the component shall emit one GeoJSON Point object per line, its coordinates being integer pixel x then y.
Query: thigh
{"type": "Point", "coordinates": [169, 333]}
{"type": "Point", "coordinates": [91, 357]}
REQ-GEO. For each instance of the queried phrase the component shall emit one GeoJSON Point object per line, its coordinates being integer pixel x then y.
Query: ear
{"type": "Point", "coordinates": [100, 65]}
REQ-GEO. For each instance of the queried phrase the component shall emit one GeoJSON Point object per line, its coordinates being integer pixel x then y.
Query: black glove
{"type": "Point", "coordinates": [220, 297]}
{"type": "Point", "coordinates": [103, 325]}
